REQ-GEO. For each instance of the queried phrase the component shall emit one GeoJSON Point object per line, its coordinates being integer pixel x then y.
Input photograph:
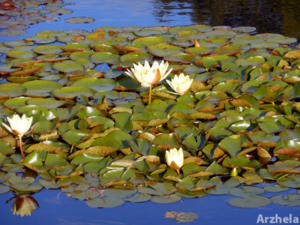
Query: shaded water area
{"type": "Point", "coordinates": [278, 16]}
{"type": "Point", "coordinates": [58, 208]}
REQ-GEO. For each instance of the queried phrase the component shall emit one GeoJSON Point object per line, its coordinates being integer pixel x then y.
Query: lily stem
{"type": "Point", "coordinates": [21, 146]}
{"type": "Point", "coordinates": [150, 93]}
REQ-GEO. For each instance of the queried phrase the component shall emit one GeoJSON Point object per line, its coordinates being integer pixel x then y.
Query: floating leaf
{"type": "Point", "coordinates": [232, 144]}
{"type": "Point", "coordinates": [72, 92]}
{"type": "Point", "coordinates": [47, 49]}
{"type": "Point", "coordinates": [105, 57]}
{"type": "Point", "coordinates": [68, 66]}
{"type": "Point", "coordinates": [102, 84]}
{"type": "Point", "coordinates": [80, 20]}
{"type": "Point", "coordinates": [40, 87]}
{"type": "Point", "coordinates": [249, 202]}
{"type": "Point", "coordinates": [5, 148]}
{"type": "Point", "coordinates": [20, 54]}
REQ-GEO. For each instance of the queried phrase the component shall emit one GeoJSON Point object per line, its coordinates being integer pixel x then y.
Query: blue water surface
{"type": "Point", "coordinates": [58, 209]}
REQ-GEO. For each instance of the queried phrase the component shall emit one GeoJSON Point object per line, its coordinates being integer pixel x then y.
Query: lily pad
{"type": "Point", "coordinates": [41, 87]}
{"type": "Point", "coordinates": [105, 57]}
{"type": "Point", "coordinates": [20, 54]}
{"type": "Point", "coordinates": [102, 84]}
{"type": "Point", "coordinates": [147, 41]}
{"type": "Point", "coordinates": [249, 202]}
{"type": "Point", "coordinates": [163, 50]}
{"type": "Point", "coordinates": [80, 20]}
{"type": "Point", "coordinates": [68, 66]}
{"type": "Point", "coordinates": [47, 49]}
{"type": "Point", "coordinates": [11, 89]}
{"type": "Point", "coordinates": [72, 92]}
{"type": "Point", "coordinates": [134, 57]}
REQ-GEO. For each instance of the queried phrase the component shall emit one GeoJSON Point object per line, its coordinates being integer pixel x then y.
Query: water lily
{"type": "Point", "coordinates": [180, 83]}
{"type": "Point", "coordinates": [175, 158]}
{"type": "Point", "coordinates": [148, 75]}
{"type": "Point", "coordinates": [24, 205]}
{"type": "Point", "coordinates": [19, 126]}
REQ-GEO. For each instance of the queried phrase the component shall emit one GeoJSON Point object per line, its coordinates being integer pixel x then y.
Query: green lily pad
{"type": "Point", "coordinates": [166, 199]}
{"type": "Point", "coordinates": [81, 55]}
{"type": "Point", "coordinates": [34, 159]}
{"type": "Point", "coordinates": [20, 54]}
{"type": "Point", "coordinates": [74, 137]}
{"type": "Point", "coordinates": [134, 57]}
{"type": "Point", "coordinates": [163, 50]}
{"type": "Point", "coordinates": [102, 84]}
{"type": "Point", "coordinates": [104, 47]}
{"type": "Point", "coordinates": [72, 92]}
{"type": "Point", "coordinates": [139, 197]}
{"type": "Point", "coordinates": [180, 57]}
{"type": "Point", "coordinates": [269, 125]}
{"type": "Point", "coordinates": [147, 41]}
{"type": "Point", "coordinates": [5, 148]}
{"type": "Point", "coordinates": [53, 160]}
{"type": "Point", "coordinates": [105, 57]}
{"type": "Point", "coordinates": [166, 141]}
{"type": "Point", "coordinates": [249, 202]}
{"type": "Point", "coordinates": [47, 49]}
{"type": "Point", "coordinates": [41, 87]}
{"type": "Point", "coordinates": [49, 103]}
{"type": "Point", "coordinates": [16, 102]}
{"type": "Point", "coordinates": [292, 181]}
{"type": "Point", "coordinates": [41, 38]}
{"type": "Point", "coordinates": [68, 66]}
{"type": "Point", "coordinates": [74, 47]}
{"type": "Point", "coordinates": [11, 89]}
{"type": "Point", "coordinates": [123, 120]}
{"type": "Point", "coordinates": [232, 144]}
{"type": "Point", "coordinates": [107, 202]}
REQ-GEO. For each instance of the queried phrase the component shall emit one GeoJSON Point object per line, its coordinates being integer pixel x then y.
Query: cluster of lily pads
{"type": "Point", "coordinates": [17, 15]}
{"type": "Point", "coordinates": [98, 138]}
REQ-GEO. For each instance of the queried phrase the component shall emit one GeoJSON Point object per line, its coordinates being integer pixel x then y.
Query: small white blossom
{"type": "Point", "coordinates": [175, 158]}
{"type": "Point", "coordinates": [18, 125]}
{"type": "Point", "coordinates": [180, 83]}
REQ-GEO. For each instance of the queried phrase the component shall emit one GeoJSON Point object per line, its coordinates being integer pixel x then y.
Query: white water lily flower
{"type": "Point", "coordinates": [175, 158]}
{"type": "Point", "coordinates": [148, 75]}
{"type": "Point", "coordinates": [180, 83]}
{"type": "Point", "coordinates": [18, 125]}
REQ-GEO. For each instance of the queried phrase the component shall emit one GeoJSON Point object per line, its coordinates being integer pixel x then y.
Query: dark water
{"type": "Point", "coordinates": [275, 16]}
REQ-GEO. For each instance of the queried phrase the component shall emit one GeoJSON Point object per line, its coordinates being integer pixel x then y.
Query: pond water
{"type": "Point", "coordinates": [276, 16]}
{"type": "Point", "coordinates": [56, 208]}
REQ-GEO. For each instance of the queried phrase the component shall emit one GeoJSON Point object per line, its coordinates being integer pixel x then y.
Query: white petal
{"type": "Point", "coordinates": [7, 127]}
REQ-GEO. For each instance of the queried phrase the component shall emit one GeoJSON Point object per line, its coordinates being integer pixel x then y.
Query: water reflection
{"type": "Point", "coordinates": [276, 16]}
{"type": "Point", "coordinates": [23, 205]}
